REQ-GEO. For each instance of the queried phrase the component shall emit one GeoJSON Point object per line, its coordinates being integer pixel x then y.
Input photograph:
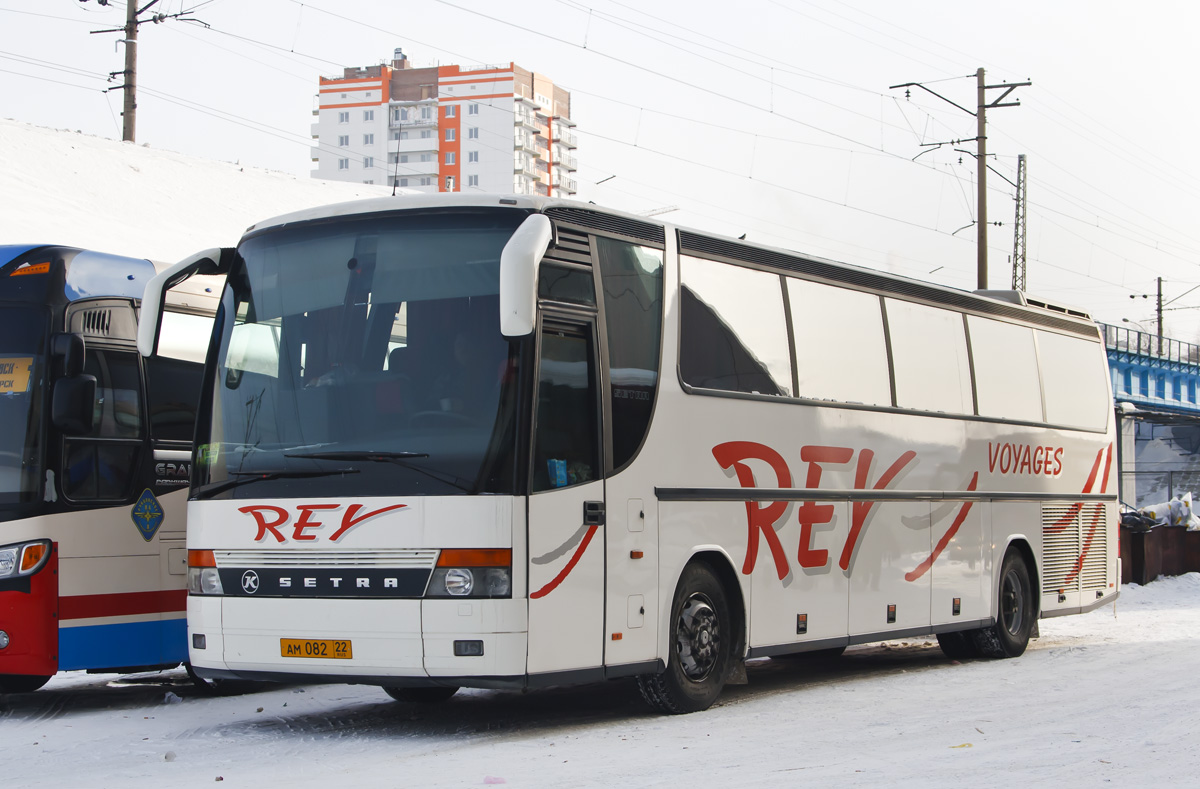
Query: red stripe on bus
{"type": "Point", "coordinates": [558, 579]}
{"type": "Point", "coordinates": [89, 606]}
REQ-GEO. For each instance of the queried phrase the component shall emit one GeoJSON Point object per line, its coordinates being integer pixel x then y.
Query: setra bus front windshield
{"type": "Point", "coordinates": [22, 370]}
{"type": "Point", "coordinates": [362, 356]}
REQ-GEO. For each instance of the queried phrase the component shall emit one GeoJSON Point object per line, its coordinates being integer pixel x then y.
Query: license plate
{"type": "Point", "coordinates": [315, 648]}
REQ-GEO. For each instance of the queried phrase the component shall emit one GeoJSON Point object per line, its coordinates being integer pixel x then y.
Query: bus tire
{"type": "Point", "coordinates": [701, 645]}
{"type": "Point", "coordinates": [1016, 612]}
{"type": "Point", "coordinates": [429, 695]}
{"type": "Point", "coordinates": [959, 645]}
{"type": "Point", "coordinates": [21, 683]}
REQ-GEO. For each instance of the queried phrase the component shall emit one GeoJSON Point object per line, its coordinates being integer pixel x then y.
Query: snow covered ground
{"type": "Point", "coordinates": [62, 187]}
{"type": "Point", "coordinates": [1100, 698]}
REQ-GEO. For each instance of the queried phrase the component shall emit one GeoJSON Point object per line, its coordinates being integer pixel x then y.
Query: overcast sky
{"type": "Point", "coordinates": [771, 118]}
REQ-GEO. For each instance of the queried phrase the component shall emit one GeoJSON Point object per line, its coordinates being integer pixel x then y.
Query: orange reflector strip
{"type": "Point", "coordinates": [616, 636]}
{"type": "Point", "coordinates": [32, 555]}
{"type": "Point", "coordinates": [636, 554]}
{"type": "Point", "coordinates": [36, 268]}
{"type": "Point", "coordinates": [201, 559]}
{"type": "Point", "coordinates": [475, 557]}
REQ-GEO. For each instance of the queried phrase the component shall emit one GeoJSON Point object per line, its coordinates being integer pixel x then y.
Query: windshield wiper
{"type": "Point", "coordinates": [246, 477]}
{"type": "Point", "coordinates": [350, 454]}
{"type": "Point", "coordinates": [399, 458]}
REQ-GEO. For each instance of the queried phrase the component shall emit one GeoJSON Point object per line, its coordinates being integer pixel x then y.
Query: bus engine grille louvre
{"type": "Point", "coordinates": [1070, 532]}
{"type": "Point", "coordinates": [572, 247]}
{"type": "Point", "coordinates": [422, 559]}
{"type": "Point", "coordinates": [97, 323]}
{"type": "Point", "coordinates": [617, 225]}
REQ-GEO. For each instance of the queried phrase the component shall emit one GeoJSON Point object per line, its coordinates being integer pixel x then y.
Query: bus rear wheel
{"type": "Point", "coordinates": [431, 695]}
{"type": "Point", "coordinates": [21, 683]}
{"type": "Point", "coordinates": [1017, 611]}
{"type": "Point", "coordinates": [701, 644]}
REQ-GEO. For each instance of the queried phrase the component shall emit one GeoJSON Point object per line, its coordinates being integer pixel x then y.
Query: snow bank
{"type": "Point", "coordinates": [63, 187]}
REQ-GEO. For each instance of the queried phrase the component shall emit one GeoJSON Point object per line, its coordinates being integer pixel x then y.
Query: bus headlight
{"type": "Point", "coordinates": [204, 580]}
{"type": "Point", "coordinates": [203, 577]}
{"type": "Point", "coordinates": [472, 572]}
{"type": "Point", "coordinates": [459, 581]}
{"type": "Point", "coordinates": [23, 558]}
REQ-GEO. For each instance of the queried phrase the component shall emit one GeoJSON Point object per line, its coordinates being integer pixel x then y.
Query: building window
{"type": "Point", "coordinates": [343, 140]}
{"type": "Point", "coordinates": [394, 135]}
{"type": "Point", "coordinates": [451, 110]}
{"type": "Point", "coordinates": [427, 157]}
{"type": "Point", "coordinates": [368, 162]}
{"type": "Point", "coordinates": [368, 182]}
{"type": "Point", "coordinates": [343, 164]}
{"type": "Point", "coordinates": [450, 135]}
{"type": "Point", "coordinates": [404, 135]}
{"type": "Point", "coordinates": [402, 114]}
{"type": "Point", "coordinates": [473, 133]}
{"type": "Point", "coordinates": [343, 117]}
{"type": "Point", "coordinates": [426, 134]}
{"type": "Point", "coordinates": [425, 113]}
{"type": "Point", "coordinates": [472, 156]}
{"type": "Point", "coordinates": [368, 139]}
{"type": "Point", "coordinates": [404, 182]}
{"type": "Point", "coordinates": [473, 109]}
{"type": "Point", "coordinates": [403, 158]}
{"type": "Point", "coordinates": [425, 182]}
{"type": "Point", "coordinates": [450, 157]}
{"type": "Point", "coordinates": [472, 180]}
{"type": "Point", "coordinates": [368, 115]}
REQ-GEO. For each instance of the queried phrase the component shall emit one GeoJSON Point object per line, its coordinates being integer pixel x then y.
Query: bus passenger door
{"type": "Point", "coordinates": [566, 533]}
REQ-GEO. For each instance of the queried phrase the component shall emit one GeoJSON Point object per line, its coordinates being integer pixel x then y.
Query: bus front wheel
{"type": "Point", "coordinates": [1016, 614]}
{"type": "Point", "coordinates": [21, 683]}
{"type": "Point", "coordinates": [701, 643]}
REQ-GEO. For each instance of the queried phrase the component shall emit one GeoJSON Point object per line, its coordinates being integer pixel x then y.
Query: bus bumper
{"type": "Point", "coordinates": [389, 641]}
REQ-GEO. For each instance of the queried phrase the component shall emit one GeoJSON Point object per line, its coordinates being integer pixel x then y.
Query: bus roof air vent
{"type": "Point", "coordinates": [97, 323]}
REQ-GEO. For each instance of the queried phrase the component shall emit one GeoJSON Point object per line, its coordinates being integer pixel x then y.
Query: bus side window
{"type": "Point", "coordinates": [104, 469]}
{"type": "Point", "coordinates": [565, 450]}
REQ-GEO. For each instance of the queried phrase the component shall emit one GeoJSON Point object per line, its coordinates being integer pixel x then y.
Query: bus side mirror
{"type": "Point", "coordinates": [210, 261]}
{"type": "Point", "coordinates": [72, 404]}
{"type": "Point", "coordinates": [519, 275]}
{"type": "Point", "coordinates": [70, 350]}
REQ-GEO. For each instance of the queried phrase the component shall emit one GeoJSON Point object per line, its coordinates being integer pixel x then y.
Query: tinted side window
{"type": "Point", "coordinates": [632, 281]}
{"type": "Point", "coordinates": [833, 325]}
{"type": "Point", "coordinates": [734, 334]}
{"type": "Point", "coordinates": [173, 387]}
{"type": "Point", "coordinates": [1006, 370]}
{"type": "Point", "coordinates": [566, 446]}
{"type": "Point", "coordinates": [118, 409]}
{"type": "Point", "coordinates": [929, 358]}
{"type": "Point", "coordinates": [1075, 381]}
{"type": "Point", "coordinates": [105, 470]}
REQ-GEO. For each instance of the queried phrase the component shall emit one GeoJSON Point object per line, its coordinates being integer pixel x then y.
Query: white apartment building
{"type": "Point", "coordinates": [446, 129]}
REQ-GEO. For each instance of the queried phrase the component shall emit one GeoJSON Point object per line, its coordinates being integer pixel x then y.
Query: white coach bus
{"type": "Point", "coordinates": [512, 442]}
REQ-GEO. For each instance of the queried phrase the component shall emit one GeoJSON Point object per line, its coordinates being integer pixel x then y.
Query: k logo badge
{"type": "Point", "coordinates": [250, 582]}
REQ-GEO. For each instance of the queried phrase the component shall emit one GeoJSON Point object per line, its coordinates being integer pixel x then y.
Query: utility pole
{"type": "Point", "coordinates": [129, 108]}
{"type": "Point", "coordinates": [130, 32]}
{"type": "Point", "coordinates": [981, 107]}
{"type": "Point", "coordinates": [1160, 306]}
{"type": "Point", "coordinates": [1018, 276]}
